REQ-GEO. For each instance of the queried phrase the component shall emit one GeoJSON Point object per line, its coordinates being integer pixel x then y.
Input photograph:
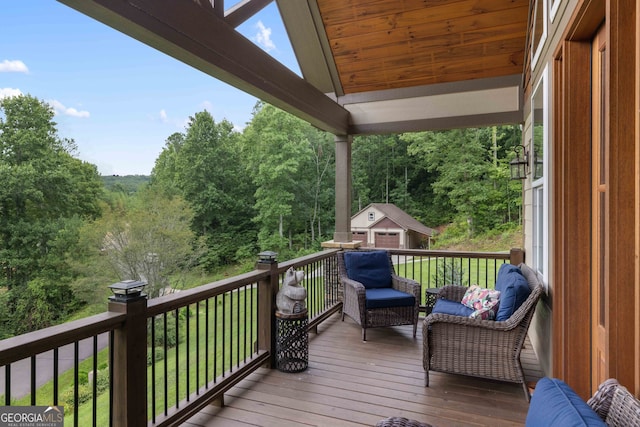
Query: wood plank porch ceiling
{"type": "Point", "coordinates": [368, 66]}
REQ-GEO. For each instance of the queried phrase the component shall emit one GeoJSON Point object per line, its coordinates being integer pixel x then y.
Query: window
{"type": "Point", "coordinates": [539, 147]}
{"type": "Point", "coordinates": [553, 9]}
{"type": "Point", "coordinates": [538, 228]}
{"type": "Point", "coordinates": [539, 30]}
{"type": "Point", "coordinates": [372, 216]}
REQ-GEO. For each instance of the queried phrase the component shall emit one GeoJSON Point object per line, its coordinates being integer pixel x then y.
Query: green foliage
{"type": "Point", "coordinates": [155, 354]}
{"type": "Point", "coordinates": [85, 390]}
{"type": "Point", "coordinates": [151, 240]}
{"type": "Point", "coordinates": [204, 166]}
{"type": "Point", "coordinates": [128, 184]}
{"type": "Point", "coordinates": [45, 195]}
{"type": "Point", "coordinates": [291, 165]}
{"type": "Point", "coordinates": [159, 333]}
{"type": "Point", "coordinates": [448, 272]}
{"type": "Point", "coordinates": [471, 176]}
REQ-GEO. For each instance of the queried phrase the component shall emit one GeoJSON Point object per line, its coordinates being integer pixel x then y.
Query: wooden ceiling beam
{"type": "Point", "coordinates": [194, 35]}
{"type": "Point", "coordinates": [242, 11]}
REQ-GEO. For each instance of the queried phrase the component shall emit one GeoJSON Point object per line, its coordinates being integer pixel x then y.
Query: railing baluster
{"type": "Point", "coordinates": [94, 406]}
{"type": "Point", "coordinates": [33, 380]}
{"type": "Point", "coordinates": [76, 382]}
{"type": "Point", "coordinates": [206, 342]}
{"type": "Point", "coordinates": [165, 365]}
{"type": "Point", "coordinates": [215, 340]}
{"type": "Point", "coordinates": [55, 376]}
{"type": "Point", "coordinates": [152, 323]}
{"type": "Point", "coordinates": [224, 341]}
{"type": "Point", "coordinates": [198, 348]}
{"type": "Point", "coordinates": [177, 314]}
{"type": "Point", "coordinates": [7, 384]}
{"type": "Point", "coordinates": [187, 352]}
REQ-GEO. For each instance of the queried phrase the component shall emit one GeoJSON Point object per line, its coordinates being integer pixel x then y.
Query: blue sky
{"type": "Point", "coordinates": [117, 98]}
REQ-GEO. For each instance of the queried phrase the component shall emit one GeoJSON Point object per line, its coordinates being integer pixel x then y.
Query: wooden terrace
{"type": "Point", "coordinates": [217, 374]}
{"type": "Point", "coordinates": [354, 383]}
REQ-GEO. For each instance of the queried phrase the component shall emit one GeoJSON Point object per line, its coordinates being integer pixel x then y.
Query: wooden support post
{"type": "Point", "coordinates": [267, 290]}
{"type": "Point", "coordinates": [130, 364]}
{"type": "Point", "coordinates": [516, 256]}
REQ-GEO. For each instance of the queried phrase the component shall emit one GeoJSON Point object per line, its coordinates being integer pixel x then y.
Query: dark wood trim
{"type": "Point", "coordinates": [15, 348]}
{"type": "Point", "coordinates": [213, 392]}
{"type": "Point", "coordinates": [571, 213]}
{"type": "Point", "coordinates": [621, 187]}
{"type": "Point", "coordinates": [636, 389]}
{"type": "Point", "coordinates": [243, 10]}
{"type": "Point", "coordinates": [196, 36]}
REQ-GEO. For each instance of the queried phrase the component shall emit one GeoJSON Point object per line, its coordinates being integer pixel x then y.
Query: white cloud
{"type": "Point", "coordinates": [59, 108]}
{"type": "Point", "coordinates": [6, 92]}
{"type": "Point", "coordinates": [15, 66]}
{"type": "Point", "coordinates": [263, 37]}
{"type": "Point", "coordinates": [163, 116]}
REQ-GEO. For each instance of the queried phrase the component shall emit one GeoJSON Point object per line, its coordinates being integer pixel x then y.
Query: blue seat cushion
{"type": "Point", "coordinates": [554, 403]}
{"type": "Point", "coordinates": [514, 290]}
{"type": "Point", "coordinates": [446, 306]}
{"type": "Point", "coordinates": [371, 268]}
{"type": "Point", "coordinates": [388, 297]}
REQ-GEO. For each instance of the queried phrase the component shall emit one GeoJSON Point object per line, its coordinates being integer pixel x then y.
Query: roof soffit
{"type": "Point", "coordinates": [369, 67]}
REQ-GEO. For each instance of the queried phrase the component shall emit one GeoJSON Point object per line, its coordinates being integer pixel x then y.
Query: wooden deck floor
{"type": "Point", "coordinates": [355, 383]}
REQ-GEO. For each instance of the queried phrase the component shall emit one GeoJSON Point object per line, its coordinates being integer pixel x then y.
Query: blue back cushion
{"type": "Point", "coordinates": [446, 306]}
{"type": "Point", "coordinates": [388, 297]}
{"type": "Point", "coordinates": [371, 268]}
{"type": "Point", "coordinates": [554, 403]}
{"type": "Point", "coordinates": [514, 290]}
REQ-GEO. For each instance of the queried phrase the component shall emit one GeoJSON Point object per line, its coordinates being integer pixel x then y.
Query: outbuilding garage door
{"type": "Point", "coordinates": [387, 240]}
{"type": "Point", "coordinates": [359, 236]}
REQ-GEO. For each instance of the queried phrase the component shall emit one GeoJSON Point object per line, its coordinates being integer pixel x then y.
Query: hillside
{"type": "Point", "coordinates": [128, 184]}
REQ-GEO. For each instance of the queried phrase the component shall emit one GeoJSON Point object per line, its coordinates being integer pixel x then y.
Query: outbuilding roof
{"type": "Point", "coordinates": [398, 216]}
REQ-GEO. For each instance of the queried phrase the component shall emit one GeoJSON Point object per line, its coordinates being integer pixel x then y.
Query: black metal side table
{"type": "Point", "coordinates": [430, 297]}
{"type": "Point", "coordinates": [292, 341]}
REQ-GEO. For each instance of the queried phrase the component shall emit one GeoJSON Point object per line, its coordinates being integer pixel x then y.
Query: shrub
{"type": "Point", "coordinates": [154, 354]}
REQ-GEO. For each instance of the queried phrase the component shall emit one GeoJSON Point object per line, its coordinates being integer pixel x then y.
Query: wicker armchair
{"type": "Point", "coordinates": [615, 404]}
{"type": "Point", "coordinates": [355, 301]}
{"type": "Point", "coordinates": [476, 347]}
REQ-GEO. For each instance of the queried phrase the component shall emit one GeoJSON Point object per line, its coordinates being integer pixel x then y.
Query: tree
{"type": "Point", "coordinates": [150, 241]}
{"type": "Point", "coordinates": [471, 172]}
{"type": "Point", "coordinates": [45, 194]}
{"type": "Point", "coordinates": [204, 166]}
{"type": "Point", "coordinates": [291, 166]}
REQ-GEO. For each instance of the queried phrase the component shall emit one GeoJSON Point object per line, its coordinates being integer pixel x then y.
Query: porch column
{"type": "Point", "coordinates": [130, 364]}
{"type": "Point", "coordinates": [342, 232]}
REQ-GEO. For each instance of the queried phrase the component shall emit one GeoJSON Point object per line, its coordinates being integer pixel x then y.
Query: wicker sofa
{"type": "Point", "coordinates": [554, 403]}
{"type": "Point", "coordinates": [480, 348]}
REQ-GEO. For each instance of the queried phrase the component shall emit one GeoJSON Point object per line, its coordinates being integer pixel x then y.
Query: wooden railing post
{"type": "Point", "coordinates": [129, 369]}
{"type": "Point", "coordinates": [267, 290]}
{"type": "Point", "coordinates": [516, 256]}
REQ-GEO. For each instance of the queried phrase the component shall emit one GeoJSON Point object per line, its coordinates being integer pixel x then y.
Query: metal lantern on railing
{"type": "Point", "coordinates": [267, 257]}
{"type": "Point", "coordinates": [127, 290]}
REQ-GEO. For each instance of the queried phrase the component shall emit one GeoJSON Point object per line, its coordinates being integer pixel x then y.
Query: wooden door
{"type": "Point", "coordinates": [600, 154]}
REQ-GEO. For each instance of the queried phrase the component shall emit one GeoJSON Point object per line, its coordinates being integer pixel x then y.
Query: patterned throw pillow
{"type": "Point", "coordinates": [483, 301]}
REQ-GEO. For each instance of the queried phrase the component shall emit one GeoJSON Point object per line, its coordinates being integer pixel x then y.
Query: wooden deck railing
{"type": "Point", "coordinates": [169, 357]}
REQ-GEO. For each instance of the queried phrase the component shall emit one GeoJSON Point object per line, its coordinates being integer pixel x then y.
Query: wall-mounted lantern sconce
{"type": "Point", "coordinates": [267, 257]}
{"type": "Point", "coordinates": [127, 291]}
{"type": "Point", "coordinates": [520, 165]}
